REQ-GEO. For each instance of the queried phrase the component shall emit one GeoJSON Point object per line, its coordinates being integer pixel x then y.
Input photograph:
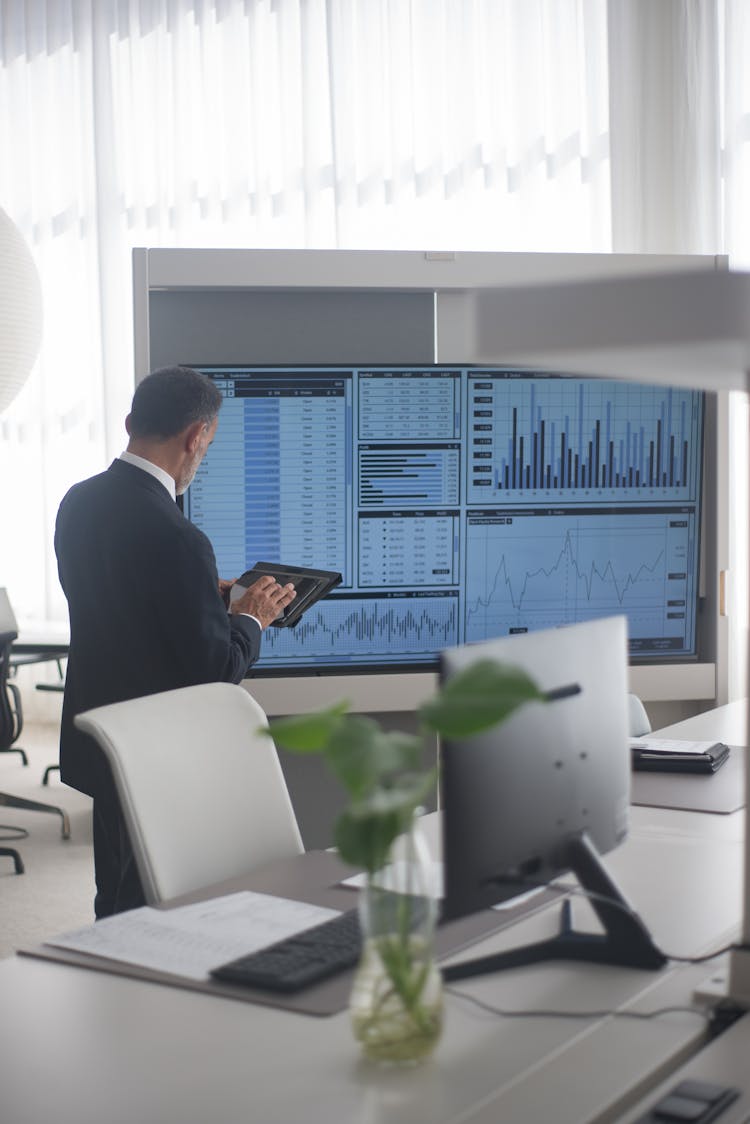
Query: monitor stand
{"type": "Point", "coordinates": [625, 941]}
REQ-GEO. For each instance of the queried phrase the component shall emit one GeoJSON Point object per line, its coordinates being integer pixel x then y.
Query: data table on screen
{"type": "Point", "coordinates": [274, 484]}
{"type": "Point", "coordinates": [401, 548]}
{"type": "Point", "coordinates": [409, 405]}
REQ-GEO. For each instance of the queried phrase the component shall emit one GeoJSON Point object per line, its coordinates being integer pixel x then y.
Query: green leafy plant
{"type": "Point", "coordinates": [381, 770]}
{"type": "Point", "coordinates": [396, 1004]}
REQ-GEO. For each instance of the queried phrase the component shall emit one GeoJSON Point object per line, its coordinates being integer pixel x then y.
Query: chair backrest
{"type": "Point", "coordinates": [637, 718]}
{"type": "Point", "coordinates": [8, 622]}
{"type": "Point", "coordinates": [202, 791]}
{"type": "Point", "coordinates": [11, 719]}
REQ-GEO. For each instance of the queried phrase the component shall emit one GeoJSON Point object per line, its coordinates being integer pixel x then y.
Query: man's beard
{"type": "Point", "coordinates": [189, 472]}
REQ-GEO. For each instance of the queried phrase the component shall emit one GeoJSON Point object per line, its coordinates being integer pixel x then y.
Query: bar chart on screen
{"type": "Point", "coordinates": [578, 436]}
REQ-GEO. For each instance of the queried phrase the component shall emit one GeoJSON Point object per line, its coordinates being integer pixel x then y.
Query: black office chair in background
{"type": "Point", "coordinates": [11, 709]}
{"type": "Point", "coordinates": [11, 725]}
{"type": "Point", "coordinates": [11, 722]}
{"type": "Point", "coordinates": [31, 654]}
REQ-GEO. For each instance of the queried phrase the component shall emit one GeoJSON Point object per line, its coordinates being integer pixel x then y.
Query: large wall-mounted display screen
{"type": "Point", "coordinates": [459, 503]}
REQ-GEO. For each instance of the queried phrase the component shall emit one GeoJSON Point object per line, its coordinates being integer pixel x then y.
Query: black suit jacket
{"type": "Point", "coordinates": [146, 614]}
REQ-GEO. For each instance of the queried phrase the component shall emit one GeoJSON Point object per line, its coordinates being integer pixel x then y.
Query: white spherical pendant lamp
{"type": "Point", "coordinates": [20, 311]}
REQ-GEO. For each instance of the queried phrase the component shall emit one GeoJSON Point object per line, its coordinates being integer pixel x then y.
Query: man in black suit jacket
{"type": "Point", "coordinates": [148, 611]}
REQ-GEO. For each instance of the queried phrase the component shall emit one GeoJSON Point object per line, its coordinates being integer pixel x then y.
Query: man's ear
{"type": "Point", "coordinates": [127, 425]}
{"type": "Point", "coordinates": [192, 436]}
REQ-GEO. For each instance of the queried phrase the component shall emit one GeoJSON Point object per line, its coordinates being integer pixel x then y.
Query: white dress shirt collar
{"type": "Point", "coordinates": [153, 470]}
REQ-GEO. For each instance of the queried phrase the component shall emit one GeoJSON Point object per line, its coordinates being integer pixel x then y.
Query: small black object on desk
{"type": "Point", "coordinates": [647, 757]}
{"type": "Point", "coordinates": [300, 960]}
{"type": "Point", "coordinates": [691, 1102]}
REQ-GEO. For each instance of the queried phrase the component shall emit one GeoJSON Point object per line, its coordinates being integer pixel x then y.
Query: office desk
{"type": "Point", "coordinates": [44, 649]}
{"type": "Point", "coordinates": [36, 644]}
{"type": "Point", "coordinates": [82, 1046]}
{"type": "Point", "coordinates": [723, 724]}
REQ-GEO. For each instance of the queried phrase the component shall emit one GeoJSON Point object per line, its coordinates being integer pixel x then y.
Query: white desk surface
{"type": "Point", "coordinates": [724, 723]}
{"type": "Point", "coordinates": [84, 1047]}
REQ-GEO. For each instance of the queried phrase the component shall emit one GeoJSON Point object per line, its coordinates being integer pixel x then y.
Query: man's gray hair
{"type": "Point", "coordinates": [170, 399]}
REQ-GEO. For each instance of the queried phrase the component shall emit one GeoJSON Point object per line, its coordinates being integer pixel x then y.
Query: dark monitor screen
{"type": "Point", "coordinates": [515, 796]}
{"type": "Point", "coordinates": [546, 792]}
{"type": "Point", "coordinates": [459, 503]}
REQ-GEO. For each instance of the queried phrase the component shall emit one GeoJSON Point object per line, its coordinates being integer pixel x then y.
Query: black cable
{"type": "Point", "coordinates": [708, 1015]}
{"type": "Point", "coordinates": [660, 1012]}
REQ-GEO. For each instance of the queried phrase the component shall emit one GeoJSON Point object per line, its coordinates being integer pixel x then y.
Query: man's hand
{"type": "Point", "coordinates": [264, 600]}
{"type": "Point", "coordinates": [224, 588]}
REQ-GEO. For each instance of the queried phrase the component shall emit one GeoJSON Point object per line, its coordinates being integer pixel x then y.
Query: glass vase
{"type": "Point", "coordinates": [396, 1003]}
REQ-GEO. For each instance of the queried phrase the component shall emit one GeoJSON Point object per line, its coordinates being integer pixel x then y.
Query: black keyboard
{"type": "Point", "coordinates": [300, 960]}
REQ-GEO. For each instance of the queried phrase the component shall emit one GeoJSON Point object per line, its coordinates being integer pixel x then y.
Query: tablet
{"type": "Point", "coordinates": [309, 584]}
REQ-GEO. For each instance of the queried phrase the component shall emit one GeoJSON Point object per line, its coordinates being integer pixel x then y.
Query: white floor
{"type": "Point", "coordinates": [56, 891]}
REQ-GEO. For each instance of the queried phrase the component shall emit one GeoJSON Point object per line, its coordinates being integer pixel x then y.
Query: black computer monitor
{"type": "Point", "coordinates": [546, 792]}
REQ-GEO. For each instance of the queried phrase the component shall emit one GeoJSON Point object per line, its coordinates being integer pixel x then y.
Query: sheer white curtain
{"type": "Point", "coordinates": [53, 432]}
{"type": "Point", "coordinates": [665, 128]}
{"type": "Point", "coordinates": [680, 153]}
{"type": "Point", "coordinates": [469, 124]}
{"type": "Point", "coordinates": [735, 104]}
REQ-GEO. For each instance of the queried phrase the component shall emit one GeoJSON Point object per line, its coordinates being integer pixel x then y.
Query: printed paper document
{"type": "Point", "coordinates": [192, 939]}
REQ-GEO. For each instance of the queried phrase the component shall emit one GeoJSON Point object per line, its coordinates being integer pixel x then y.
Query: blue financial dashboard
{"type": "Point", "coordinates": [459, 504]}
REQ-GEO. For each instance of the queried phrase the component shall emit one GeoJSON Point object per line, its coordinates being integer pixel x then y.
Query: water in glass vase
{"type": "Point", "coordinates": [396, 1003]}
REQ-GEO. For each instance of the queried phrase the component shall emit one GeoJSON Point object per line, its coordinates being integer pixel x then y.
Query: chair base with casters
{"type": "Point", "coordinates": [17, 660]}
{"type": "Point", "coordinates": [57, 688]}
{"type": "Point", "coordinates": [17, 860]}
{"type": "Point", "coordinates": [11, 725]}
{"type": "Point", "coordinates": [15, 724]}
{"type": "Point", "coordinates": [11, 852]}
{"type": "Point", "coordinates": [9, 801]}
{"type": "Point", "coordinates": [17, 749]}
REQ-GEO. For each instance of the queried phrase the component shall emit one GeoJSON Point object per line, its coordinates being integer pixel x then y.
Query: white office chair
{"type": "Point", "coordinates": [202, 792]}
{"type": "Point", "coordinates": [637, 718]}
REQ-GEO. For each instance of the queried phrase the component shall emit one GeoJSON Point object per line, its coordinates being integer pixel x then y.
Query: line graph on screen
{"type": "Point", "coordinates": [585, 565]}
